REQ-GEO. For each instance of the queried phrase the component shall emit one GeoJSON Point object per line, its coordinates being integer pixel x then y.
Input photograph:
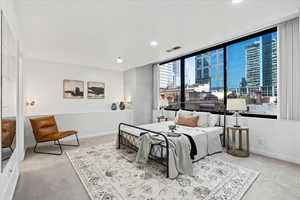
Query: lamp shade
{"type": "Point", "coordinates": [163, 103]}
{"type": "Point", "coordinates": [236, 104]}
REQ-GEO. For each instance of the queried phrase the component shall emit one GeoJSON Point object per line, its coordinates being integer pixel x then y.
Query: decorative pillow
{"type": "Point", "coordinates": [203, 119]}
{"type": "Point", "coordinates": [183, 113]}
{"type": "Point", "coordinates": [213, 120]}
{"type": "Point", "coordinates": [190, 121]}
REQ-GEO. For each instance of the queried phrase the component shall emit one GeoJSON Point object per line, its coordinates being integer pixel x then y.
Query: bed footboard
{"type": "Point", "coordinates": [130, 140]}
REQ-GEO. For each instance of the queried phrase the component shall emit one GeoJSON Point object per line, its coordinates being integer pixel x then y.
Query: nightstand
{"type": "Point", "coordinates": [238, 147]}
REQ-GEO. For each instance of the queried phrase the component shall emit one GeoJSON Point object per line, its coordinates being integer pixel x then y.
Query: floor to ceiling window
{"type": "Point", "coordinates": [252, 73]}
{"type": "Point", "coordinates": [244, 68]}
{"type": "Point", "coordinates": [170, 84]}
{"type": "Point", "coordinates": [204, 81]}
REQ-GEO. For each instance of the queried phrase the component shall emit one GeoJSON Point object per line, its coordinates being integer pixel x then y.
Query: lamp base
{"type": "Point", "coordinates": [236, 114]}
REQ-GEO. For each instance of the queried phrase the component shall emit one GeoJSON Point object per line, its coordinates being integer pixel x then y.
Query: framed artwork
{"type": "Point", "coordinates": [95, 90]}
{"type": "Point", "coordinates": [73, 89]}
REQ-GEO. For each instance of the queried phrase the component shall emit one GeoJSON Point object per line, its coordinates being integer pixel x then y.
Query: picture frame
{"type": "Point", "coordinates": [95, 90]}
{"type": "Point", "coordinates": [73, 89]}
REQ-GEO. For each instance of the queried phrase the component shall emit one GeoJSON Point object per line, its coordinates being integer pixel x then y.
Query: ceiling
{"type": "Point", "coordinates": [96, 32]}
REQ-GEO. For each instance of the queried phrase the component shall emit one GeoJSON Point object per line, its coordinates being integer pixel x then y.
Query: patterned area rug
{"type": "Point", "coordinates": [108, 173]}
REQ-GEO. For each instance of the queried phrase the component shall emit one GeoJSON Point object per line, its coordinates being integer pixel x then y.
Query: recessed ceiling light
{"type": "Point", "coordinates": [153, 44]}
{"type": "Point", "coordinates": [119, 60]}
{"type": "Point", "coordinates": [237, 1]}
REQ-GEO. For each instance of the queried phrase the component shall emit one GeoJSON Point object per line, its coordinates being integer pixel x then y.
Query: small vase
{"type": "Point", "coordinates": [122, 105]}
{"type": "Point", "coordinates": [114, 106]}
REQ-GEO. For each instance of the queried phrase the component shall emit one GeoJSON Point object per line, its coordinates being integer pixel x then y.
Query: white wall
{"type": "Point", "coordinates": [138, 87]}
{"type": "Point", "coordinates": [269, 137]}
{"type": "Point", "coordinates": [130, 86]}
{"type": "Point", "coordinates": [144, 92]}
{"type": "Point", "coordinates": [275, 138]}
{"type": "Point", "coordinates": [43, 82]}
{"type": "Point", "coordinates": [87, 124]}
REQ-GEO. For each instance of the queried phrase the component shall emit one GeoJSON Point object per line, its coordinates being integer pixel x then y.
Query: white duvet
{"type": "Point", "coordinates": [207, 139]}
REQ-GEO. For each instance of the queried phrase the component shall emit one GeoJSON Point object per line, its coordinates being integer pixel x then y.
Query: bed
{"type": "Point", "coordinates": [207, 141]}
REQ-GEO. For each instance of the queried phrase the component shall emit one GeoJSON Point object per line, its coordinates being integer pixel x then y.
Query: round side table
{"type": "Point", "coordinates": [238, 147]}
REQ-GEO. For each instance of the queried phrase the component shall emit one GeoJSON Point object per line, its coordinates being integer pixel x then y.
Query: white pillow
{"type": "Point", "coordinates": [203, 119]}
{"type": "Point", "coordinates": [183, 113]}
{"type": "Point", "coordinates": [213, 120]}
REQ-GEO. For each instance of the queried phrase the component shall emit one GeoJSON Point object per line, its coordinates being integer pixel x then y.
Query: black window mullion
{"type": "Point", "coordinates": [225, 76]}
{"type": "Point", "coordinates": [182, 83]}
{"type": "Point", "coordinates": [225, 91]}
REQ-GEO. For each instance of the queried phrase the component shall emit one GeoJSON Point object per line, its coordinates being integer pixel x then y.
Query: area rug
{"type": "Point", "coordinates": [111, 174]}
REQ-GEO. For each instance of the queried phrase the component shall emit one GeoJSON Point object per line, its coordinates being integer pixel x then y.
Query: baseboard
{"type": "Point", "coordinates": [9, 194]}
{"type": "Point", "coordinates": [278, 156]}
{"type": "Point", "coordinates": [10, 177]}
{"type": "Point", "coordinates": [92, 135]}
{"type": "Point", "coordinates": [22, 155]}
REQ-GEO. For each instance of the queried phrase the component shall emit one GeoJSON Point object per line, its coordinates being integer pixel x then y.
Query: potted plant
{"type": "Point", "coordinates": [172, 127]}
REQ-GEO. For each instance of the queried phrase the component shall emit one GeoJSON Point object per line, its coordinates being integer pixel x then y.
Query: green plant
{"type": "Point", "coordinates": [172, 127]}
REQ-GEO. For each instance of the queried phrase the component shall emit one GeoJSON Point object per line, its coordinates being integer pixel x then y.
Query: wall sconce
{"type": "Point", "coordinates": [128, 100]}
{"type": "Point", "coordinates": [30, 102]}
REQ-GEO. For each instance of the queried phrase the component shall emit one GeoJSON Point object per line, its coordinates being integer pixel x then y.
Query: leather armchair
{"type": "Point", "coordinates": [45, 130]}
{"type": "Point", "coordinates": [8, 133]}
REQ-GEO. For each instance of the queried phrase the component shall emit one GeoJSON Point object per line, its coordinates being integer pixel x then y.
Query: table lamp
{"type": "Point", "coordinates": [236, 105]}
{"type": "Point", "coordinates": [163, 103]}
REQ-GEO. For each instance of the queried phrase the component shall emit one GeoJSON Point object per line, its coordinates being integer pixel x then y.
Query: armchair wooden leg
{"type": "Point", "coordinates": [71, 145]}
{"type": "Point", "coordinates": [58, 154]}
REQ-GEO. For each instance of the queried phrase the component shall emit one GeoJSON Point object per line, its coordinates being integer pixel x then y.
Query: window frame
{"type": "Point", "coordinates": [224, 47]}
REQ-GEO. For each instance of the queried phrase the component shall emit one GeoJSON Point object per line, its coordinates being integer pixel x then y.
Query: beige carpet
{"type": "Point", "coordinates": [47, 177]}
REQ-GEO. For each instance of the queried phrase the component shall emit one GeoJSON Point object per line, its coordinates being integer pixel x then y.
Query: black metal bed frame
{"type": "Point", "coordinates": [128, 140]}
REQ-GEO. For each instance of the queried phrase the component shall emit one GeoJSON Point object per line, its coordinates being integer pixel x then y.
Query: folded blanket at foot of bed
{"type": "Point", "coordinates": [179, 152]}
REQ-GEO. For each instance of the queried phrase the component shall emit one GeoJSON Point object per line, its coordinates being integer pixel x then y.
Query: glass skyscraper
{"type": "Point", "coordinates": [210, 69]}
{"type": "Point", "coordinates": [261, 66]}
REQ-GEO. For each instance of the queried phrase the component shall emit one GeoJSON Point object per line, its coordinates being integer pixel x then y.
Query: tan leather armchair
{"type": "Point", "coordinates": [45, 130]}
{"type": "Point", "coordinates": [8, 133]}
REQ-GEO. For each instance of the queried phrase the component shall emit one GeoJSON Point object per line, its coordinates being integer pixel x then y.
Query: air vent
{"type": "Point", "coordinates": [173, 49]}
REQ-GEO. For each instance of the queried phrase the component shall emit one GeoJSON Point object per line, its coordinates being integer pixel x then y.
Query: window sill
{"type": "Point", "coordinates": [242, 114]}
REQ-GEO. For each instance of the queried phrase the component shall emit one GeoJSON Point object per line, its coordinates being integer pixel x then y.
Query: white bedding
{"type": "Point", "coordinates": [207, 139]}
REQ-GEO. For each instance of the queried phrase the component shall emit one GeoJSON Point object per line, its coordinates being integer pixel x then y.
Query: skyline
{"type": "Point", "coordinates": [237, 53]}
{"type": "Point", "coordinates": [236, 65]}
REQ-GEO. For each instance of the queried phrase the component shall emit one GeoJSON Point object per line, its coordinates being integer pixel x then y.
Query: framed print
{"type": "Point", "coordinates": [73, 89]}
{"type": "Point", "coordinates": [95, 90]}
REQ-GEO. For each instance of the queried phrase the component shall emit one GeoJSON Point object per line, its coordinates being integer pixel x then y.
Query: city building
{"type": "Point", "coordinates": [261, 66]}
{"type": "Point", "coordinates": [253, 66]}
{"type": "Point", "coordinates": [170, 75]}
{"type": "Point", "coordinates": [210, 69]}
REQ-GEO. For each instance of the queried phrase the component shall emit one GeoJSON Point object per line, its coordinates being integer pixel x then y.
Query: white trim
{"type": "Point", "coordinates": [77, 113]}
